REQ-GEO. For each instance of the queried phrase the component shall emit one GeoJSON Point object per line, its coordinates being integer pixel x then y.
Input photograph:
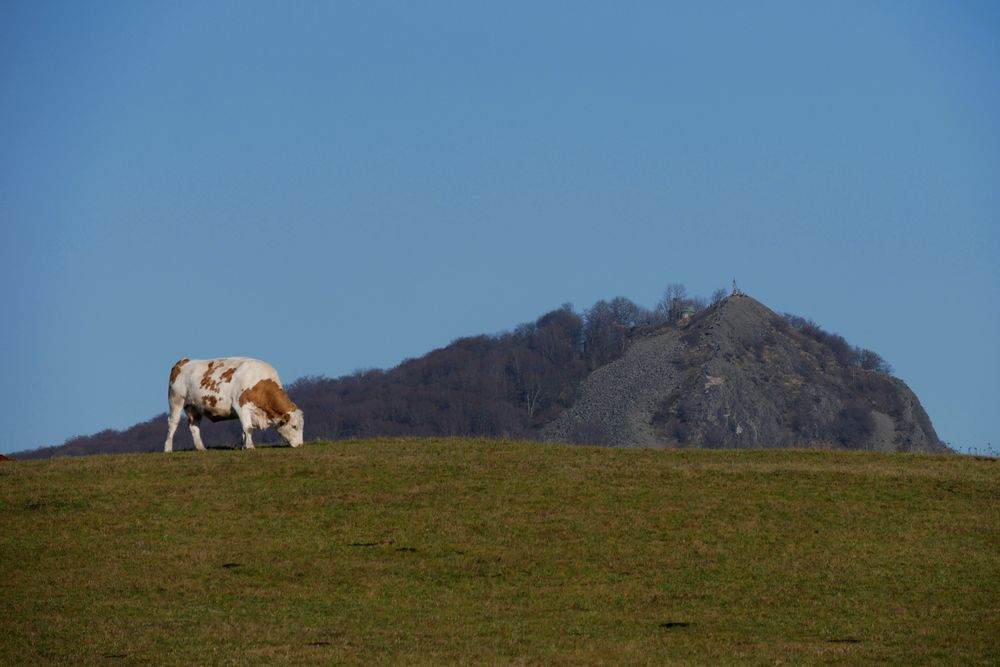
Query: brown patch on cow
{"type": "Point", "coordinates": [176, 370]}
{"type": "Point", "coordinates": [214, 384]}
{"type": "Point", "coordinates": [269, 397]}
{"type": "Point", "coordinates": [206, 379]}
{"type": "Point", "coordinates": [208, 399]}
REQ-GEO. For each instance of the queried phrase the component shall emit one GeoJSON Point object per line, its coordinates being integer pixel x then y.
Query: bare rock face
{"type": "Point", "coordinates": [616, 403]}
{"type": "Point", "coordinates": [738, 375]}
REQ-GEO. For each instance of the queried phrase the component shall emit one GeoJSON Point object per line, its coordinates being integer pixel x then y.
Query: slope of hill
{"type": "Point", "coordinates": [734, 375]}
{"type": "Point", "coordinates": [739, 375]}
{"type": "Point", "coordinates": [497, 552]}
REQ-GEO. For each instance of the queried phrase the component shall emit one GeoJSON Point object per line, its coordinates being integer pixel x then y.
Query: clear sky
{"type": "Point", "coordinates": [340, 185]}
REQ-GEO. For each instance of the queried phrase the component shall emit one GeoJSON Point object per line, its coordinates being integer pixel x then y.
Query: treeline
{"type": "Point", "coordinates": [846, 355]}
{"type": "Point", "coordinates": [503, 385]}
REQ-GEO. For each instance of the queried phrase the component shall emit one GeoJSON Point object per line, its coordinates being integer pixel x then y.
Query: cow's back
{"type": "Point", "coordinates": [250, 371]}
{"type": "Point", "coordinates": [203, 382]}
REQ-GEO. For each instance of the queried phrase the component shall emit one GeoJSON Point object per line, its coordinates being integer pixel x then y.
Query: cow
{"type": "Point", "coordinates": [230, 388]}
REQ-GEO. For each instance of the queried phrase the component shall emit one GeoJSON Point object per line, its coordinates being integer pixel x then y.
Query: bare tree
{"type": "Point", "coordinates": [670, 306]}
{"type": "Point", "coordinates": [873, 361]}
{"type": "Point", "coordinates": [663, 307]}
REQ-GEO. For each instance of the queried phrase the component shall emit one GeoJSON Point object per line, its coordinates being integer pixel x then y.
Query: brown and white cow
{"type": "Point", "coordinates": [230, 388]}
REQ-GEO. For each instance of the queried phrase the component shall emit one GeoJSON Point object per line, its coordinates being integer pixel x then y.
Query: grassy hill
{"type": "Point", "coordinates": [459, 551]}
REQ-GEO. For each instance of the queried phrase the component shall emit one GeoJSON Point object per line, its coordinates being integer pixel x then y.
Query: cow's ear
{"type": "Point", "coordinates": [285, 418]}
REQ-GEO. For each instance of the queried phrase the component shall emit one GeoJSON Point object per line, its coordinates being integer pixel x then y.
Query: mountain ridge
{"type": "Point", "coordinates": [733, 374]}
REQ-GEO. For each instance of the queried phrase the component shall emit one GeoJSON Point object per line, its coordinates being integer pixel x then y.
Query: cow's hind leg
{"type": "Point", "coordinates": [194, 423]}
{"type": "Point", "coordinates": [173, 419]}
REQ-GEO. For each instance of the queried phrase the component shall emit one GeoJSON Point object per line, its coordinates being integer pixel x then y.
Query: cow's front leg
{"type": "Point", "coordinates": [246, 423]}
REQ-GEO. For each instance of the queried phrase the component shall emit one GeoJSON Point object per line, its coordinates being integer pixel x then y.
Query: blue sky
{"type": "Point", "coordinates": [341, 185]}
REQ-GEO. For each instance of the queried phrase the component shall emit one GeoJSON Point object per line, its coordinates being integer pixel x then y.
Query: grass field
{"type": "Point", "coordinates": [482, 552]}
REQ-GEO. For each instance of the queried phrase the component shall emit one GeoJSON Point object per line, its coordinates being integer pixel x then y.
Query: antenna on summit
{"type": "Point", "coordinates": [736, 290]}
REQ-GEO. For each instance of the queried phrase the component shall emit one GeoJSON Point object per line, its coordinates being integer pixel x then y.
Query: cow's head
{"type": "Point", "coordinates": [290, 427]}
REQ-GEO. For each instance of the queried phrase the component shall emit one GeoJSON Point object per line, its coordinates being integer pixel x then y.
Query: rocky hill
{"type": "Point", "coordinates": [739, 375]}
{"type": "Point", "coordinates": [734, 374]}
